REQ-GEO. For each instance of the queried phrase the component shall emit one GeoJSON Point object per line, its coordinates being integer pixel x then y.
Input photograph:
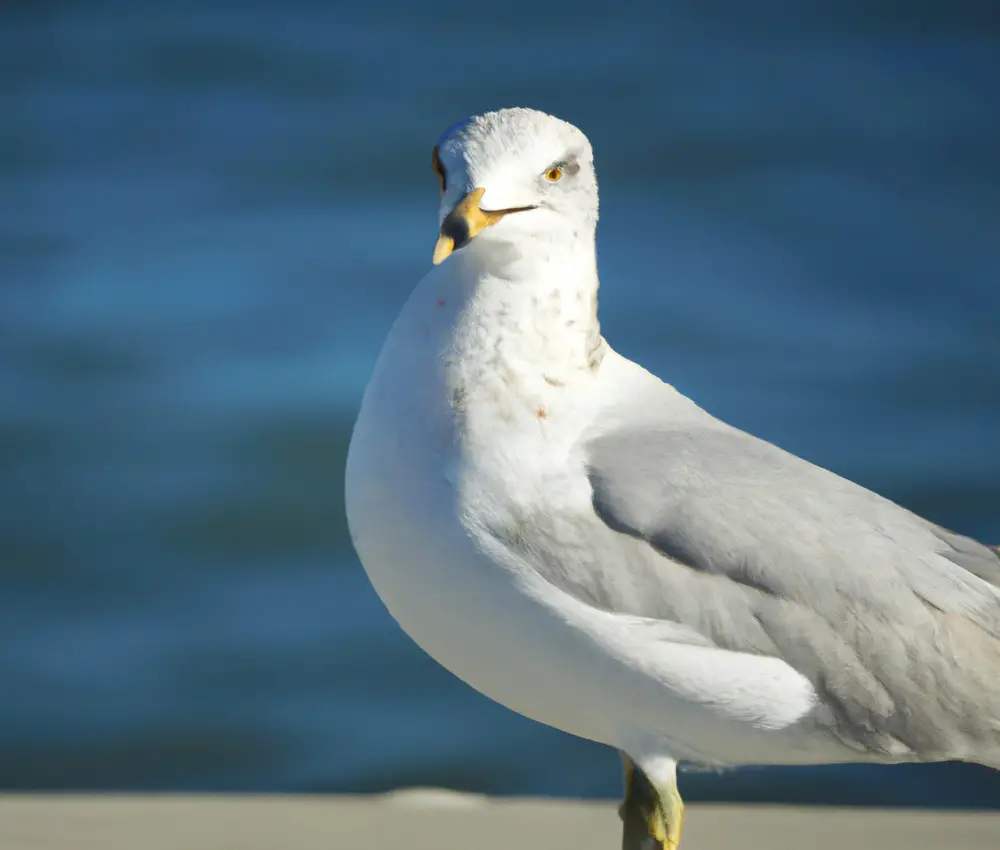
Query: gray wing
{"type": "Point", "coordinates": [895, 620]}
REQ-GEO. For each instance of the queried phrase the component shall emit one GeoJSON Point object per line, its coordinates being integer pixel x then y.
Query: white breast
{"type": "Point", "coordinates": [421, 478]}
{"type": "Point", "coordinates": [405, 506]}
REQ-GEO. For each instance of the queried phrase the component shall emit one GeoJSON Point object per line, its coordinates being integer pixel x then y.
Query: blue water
{"type": "Point", "coordinates": [211, 213]}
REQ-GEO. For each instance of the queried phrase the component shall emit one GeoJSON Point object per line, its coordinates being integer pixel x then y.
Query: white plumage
{"type": "Point", "coordinates": [542, 516]}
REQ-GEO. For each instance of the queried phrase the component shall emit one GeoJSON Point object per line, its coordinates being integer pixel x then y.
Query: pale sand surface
{"type": "Point", "coordinates": [442, 821]}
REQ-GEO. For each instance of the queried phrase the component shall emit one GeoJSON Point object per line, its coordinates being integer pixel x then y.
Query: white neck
{"type": "Point", "coordinates": [527, 327]}
{"type": "Point", "coordinates": [536, 313]}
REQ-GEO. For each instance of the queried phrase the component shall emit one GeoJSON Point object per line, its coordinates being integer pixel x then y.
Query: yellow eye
{"type": "Point", "coordinates": [554, 174]}
{"type": "Point", "coordinates": [438, 169]}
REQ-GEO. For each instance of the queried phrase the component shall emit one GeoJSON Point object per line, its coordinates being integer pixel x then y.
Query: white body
{"type": "Point", "coordinates": [423, 477]}
{"type": "Point", "coordinates": [519, 493]}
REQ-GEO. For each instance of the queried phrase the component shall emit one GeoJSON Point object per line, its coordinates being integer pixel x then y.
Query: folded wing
{"type": "Point", "coordinates": [895, 620]}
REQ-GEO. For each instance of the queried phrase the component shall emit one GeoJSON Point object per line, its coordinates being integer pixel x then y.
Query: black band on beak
{"type": "Point", "coordinates": [456, 227]}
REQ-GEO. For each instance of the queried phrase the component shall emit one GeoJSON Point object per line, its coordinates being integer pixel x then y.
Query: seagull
{"type": "Point", "coordinates": [583, 544]}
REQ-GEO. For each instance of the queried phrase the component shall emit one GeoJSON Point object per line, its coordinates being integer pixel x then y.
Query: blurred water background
{"type": "Point", "coordinates": [210, 213]}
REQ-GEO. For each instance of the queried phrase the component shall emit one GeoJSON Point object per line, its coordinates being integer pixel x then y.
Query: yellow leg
{"type": "Point", "coordinates": [652, 815]}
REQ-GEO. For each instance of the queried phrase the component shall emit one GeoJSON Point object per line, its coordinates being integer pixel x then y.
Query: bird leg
{"type": "Point", "coordinates": [651, 817]}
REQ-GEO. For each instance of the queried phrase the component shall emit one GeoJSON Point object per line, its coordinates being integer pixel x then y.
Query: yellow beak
{"type": "Point", "coordinates": [462, 224]}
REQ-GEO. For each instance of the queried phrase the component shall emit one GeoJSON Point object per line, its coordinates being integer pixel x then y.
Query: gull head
{"type": "Point", "coordinates": [510, 176]}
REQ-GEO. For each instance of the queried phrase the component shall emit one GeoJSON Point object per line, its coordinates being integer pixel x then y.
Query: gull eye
{"type": "Point", "coordinates": [438, 170]}
{"type": "Point", "coordinates": [554, 174]}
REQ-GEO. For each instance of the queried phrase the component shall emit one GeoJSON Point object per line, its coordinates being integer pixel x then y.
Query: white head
{"type": "Point", "coordinates": [513, 175]}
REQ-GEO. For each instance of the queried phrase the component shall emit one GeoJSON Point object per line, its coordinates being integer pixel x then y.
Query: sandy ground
{"type": "Point", "coordinates": [442, 821]}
